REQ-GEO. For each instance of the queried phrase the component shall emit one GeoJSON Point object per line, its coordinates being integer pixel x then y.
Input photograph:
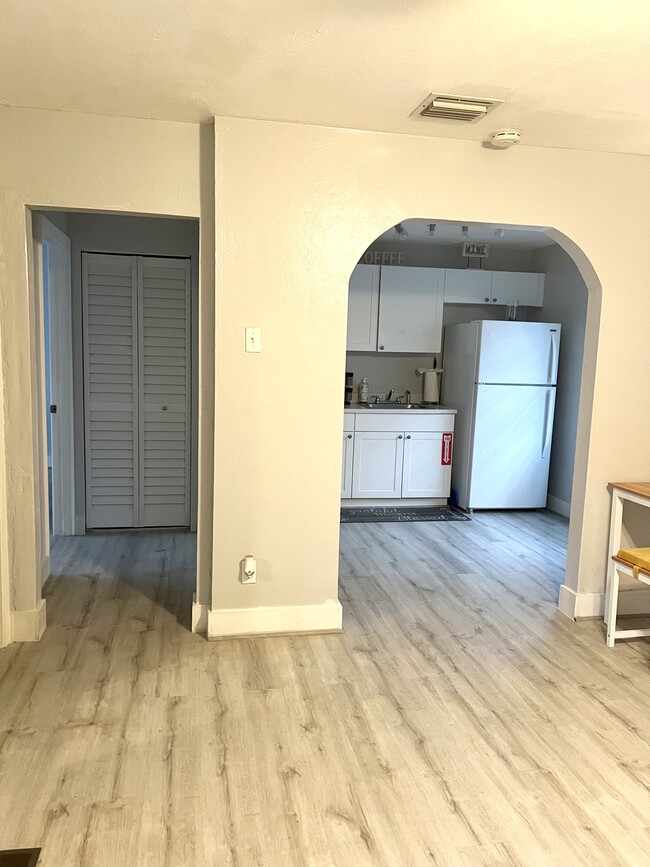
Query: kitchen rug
{"type": "Point", "coordinates": [380, 514]}
{"type": "Point", "coordinates": [19, 857]}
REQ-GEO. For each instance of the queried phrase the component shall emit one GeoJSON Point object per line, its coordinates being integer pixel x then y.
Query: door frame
{"type": "Point", "coordinates": [59, 360]}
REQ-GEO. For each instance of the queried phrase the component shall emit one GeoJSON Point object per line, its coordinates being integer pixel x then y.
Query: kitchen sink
{"type": "Point", "coordinates": [391, 404]}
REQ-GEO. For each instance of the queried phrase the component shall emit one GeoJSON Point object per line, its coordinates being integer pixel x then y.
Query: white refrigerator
{"type": "Point", "coordinates": [501, 377]}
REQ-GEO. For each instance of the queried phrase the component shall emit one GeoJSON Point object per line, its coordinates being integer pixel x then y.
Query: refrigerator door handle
{"type": "Point", "coordinates": [552, 357]}
{"type": "Point", "coordinates": [548, 422]}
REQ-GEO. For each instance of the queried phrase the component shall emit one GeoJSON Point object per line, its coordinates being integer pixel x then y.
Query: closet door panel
{"type": "Point", "coordinates": [164, 371]}
{"type": "Point", "coordinates": [110, 390]}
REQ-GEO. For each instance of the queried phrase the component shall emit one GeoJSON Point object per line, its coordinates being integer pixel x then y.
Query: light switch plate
{"type": "Point", "coordinates": [253, 340]}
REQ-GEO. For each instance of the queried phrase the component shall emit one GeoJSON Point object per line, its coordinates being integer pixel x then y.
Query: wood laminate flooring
{"type": "Point", "coordinates": [458, 720]}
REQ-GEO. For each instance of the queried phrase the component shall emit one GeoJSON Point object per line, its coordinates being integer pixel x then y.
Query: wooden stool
{"type": "Point", "coordinates": [634, 562]}
{"type": "Point", "coordinates": [628, 562]}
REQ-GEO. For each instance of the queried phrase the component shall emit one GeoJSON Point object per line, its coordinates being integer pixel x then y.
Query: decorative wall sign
{"type": "Point", "coordinates": [381, 257]}
{"type": "Point", "coordinates": [470, 248]}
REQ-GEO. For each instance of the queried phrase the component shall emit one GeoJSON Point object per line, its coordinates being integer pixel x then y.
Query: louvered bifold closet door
{"type": "Point", "coordinates": [110, 307]}
{"type": "Point", "coordinates": [164, 371]}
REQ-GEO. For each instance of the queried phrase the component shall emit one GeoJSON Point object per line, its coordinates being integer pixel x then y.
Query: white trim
{"type": "Point", "coordinates": [60, 365]}
{"type": "Point", "coordinates": [45, 569]}
{"type": "Point", "coordinates": [286, 619]}
{"type": "Point", "coordinates": [29, 625]}
{"type": "Point", "coordinates": [560, 507]}
{"type": "Point", "coordinates": [579, 606]}
{"type": "Point", "coordinates": [200, 612]}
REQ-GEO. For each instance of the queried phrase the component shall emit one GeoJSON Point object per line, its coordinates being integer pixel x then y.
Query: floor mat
{"type": "Point", "coordinates": [19, 857]}
{"type": "Point", "coordinates": [378, 515]}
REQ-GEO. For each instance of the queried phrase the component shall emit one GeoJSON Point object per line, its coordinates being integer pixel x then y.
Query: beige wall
{"type": "Point", "coordinates": [74, 161]}
{"type": "Point", "coordinates": [308, 201]}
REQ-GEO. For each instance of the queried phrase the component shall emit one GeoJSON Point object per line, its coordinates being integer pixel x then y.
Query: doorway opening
{"type": "Point", "coordinates": [464, 368]}
{"type": "Point", "coordinates": [118, 321]}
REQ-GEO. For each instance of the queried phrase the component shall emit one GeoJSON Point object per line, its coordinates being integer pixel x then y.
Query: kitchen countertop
{"type": "Point", "coordinates": [429, 410]}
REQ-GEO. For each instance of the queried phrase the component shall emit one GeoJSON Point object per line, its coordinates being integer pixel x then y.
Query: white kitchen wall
{"type": "Point", "coordinates": [503, 257]}
{"type": "Point", "coordinates": [565, 301]}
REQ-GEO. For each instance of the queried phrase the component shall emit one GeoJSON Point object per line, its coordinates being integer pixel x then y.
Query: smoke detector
{"type": "Point", "coordinates": [505, 138]}
{"type": "Point", "coordinates": [449, 106]}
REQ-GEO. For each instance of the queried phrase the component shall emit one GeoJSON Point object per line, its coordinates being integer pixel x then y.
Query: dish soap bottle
{"type": "Point", "coordinates": [363, 390]}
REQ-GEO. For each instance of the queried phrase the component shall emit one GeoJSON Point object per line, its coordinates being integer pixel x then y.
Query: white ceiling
{"type": "Point", "coordinates": [573, 73]}
{"type": "Point", "coordinates": [451, 233]}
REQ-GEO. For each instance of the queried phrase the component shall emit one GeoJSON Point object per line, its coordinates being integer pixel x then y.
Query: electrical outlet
{"type": "Point", "coordinates": [248, 570]}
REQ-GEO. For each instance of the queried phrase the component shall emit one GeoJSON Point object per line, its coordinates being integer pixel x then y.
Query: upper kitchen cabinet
{"type": "Point", "coordinates": [468, 286]}
{"type": "Point", "coordinates": [527, 289]}
{"type": "Point", "coordinates": [410, 309]}
{"type": "Point", "coordinates": [476, 286]}
{"type": "Point", "coordinates": [363, 309]}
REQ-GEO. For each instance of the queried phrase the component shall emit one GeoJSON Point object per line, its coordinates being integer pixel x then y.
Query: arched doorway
{"type": "Point", "coordinates": [545, 278]}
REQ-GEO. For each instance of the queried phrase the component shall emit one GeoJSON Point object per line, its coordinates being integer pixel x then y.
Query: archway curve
{"type": "Point", "coordinates": [567, 601]}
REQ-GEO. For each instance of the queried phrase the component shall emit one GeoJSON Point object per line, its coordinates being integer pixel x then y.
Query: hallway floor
{"type": "Point", "coordinates": [458, 720]}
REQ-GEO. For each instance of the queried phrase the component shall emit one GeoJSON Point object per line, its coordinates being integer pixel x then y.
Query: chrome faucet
{"type": "Point", "coordinates": [389, 395]}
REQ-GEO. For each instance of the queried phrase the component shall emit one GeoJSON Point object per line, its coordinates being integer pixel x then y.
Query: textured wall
{"type": "Point", "coordinates": [71, 161]}
{"type": "Point", "coordinates": [309, 201]}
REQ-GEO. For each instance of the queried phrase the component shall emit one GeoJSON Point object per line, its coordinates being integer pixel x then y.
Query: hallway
{"type": "Point", "coordinates": [458, 720]}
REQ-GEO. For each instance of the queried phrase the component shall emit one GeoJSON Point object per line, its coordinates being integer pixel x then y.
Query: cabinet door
{"type": "Point", "coordinates": [424, 473]}
{"type": "Point", "coordinates": [346, 470]}
{"type": "Point", "coordinates": [363, 309]}
{"type": "Point", "coordinates": [464, 286]}
{"type": "Point", "coordinates": [410, 309]}
{"type": "Point", "coordinates": [527, 289]}
{"type": "Point", "coordinates": [377, 466]}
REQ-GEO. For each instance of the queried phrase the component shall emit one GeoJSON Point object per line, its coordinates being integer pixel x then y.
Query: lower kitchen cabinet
{"type": "Point", "coordinates": [346, 470]}
{"type": "Point", "coordinates": [397, 455]}
{"type": "Point", "coordinates": [377, 467]}
{"type": "Point", "coordinates": [424, 474]}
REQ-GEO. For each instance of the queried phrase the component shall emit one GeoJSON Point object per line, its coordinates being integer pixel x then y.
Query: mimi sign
{"type": "Point", "coordinates": [472, 249]}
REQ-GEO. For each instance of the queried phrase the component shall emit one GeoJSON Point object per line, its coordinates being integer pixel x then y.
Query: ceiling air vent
{"type": "Point", "coordinates": [448, 106]}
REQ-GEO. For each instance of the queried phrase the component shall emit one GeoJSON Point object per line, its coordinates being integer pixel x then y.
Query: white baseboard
{"type": "Point", "coordinates": [580, 606]}
{"type": "Point", "coordinates": [286, 620]}
{"type": "Point", "coordinates": [200, 611]}
{"type": "Point", "coordinates": [560, 507]}
{"type": "Point", "coordinates": [28, 625]}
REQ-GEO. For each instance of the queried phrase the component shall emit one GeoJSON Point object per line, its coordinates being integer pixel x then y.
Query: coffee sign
{"type": "Point", "coordinates": [472, 249]}
{"type": "Point", "coordinates": [382, 257]}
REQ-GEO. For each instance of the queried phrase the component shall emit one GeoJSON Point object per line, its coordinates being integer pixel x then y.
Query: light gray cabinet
{"type": "Point", "coordinates": [363, 309]}
{"type": "Point", "coordinates": [395, 309]}
{"type": "Point", "coordinates": [477, 286]}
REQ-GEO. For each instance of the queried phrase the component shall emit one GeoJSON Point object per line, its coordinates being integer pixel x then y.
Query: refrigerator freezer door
{"type": "Point", "coordinates": [516, 353]}
{"type": "Point", "coordinates": [512, 447]}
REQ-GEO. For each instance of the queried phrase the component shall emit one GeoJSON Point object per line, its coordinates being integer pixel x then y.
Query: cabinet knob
{"type": "Point", "coordinates": [349, 436]}
{"type": "Point", "coordinates": [494, 300]}
{"type": "Point", "coordinates": [164, 409]}
{"type": "Point", "coordinates": [487, 299]}
{"type": "Point", "coordinates": [408, 436]}
{"type": "Point", "coordinates": [381, 347]}
{"type": "Point", "coordinates": [400, 437]}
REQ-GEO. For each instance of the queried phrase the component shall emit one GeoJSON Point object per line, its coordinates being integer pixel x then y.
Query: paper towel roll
{"type": "Point", "coordinates": [430, 386]}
